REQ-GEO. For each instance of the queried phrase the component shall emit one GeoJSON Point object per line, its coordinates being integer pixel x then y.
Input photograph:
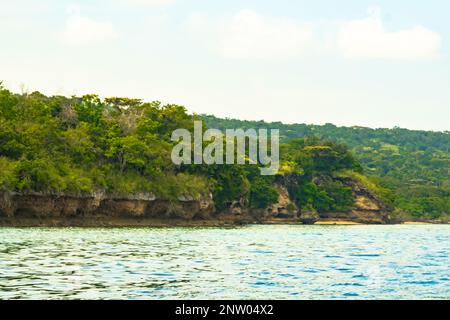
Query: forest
{"type": "Point", "coordinates": [86, 145]}
{"type": "Point", "coordinates": [412, 166]}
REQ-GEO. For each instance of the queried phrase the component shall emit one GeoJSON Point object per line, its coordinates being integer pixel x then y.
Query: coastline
{"type": "Point", "coordinates": [145, 210]}
{"type": "Point", "coordinates": [221, 222]}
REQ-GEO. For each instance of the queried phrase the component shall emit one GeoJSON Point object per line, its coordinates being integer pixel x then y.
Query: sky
{"type": "Point", "coordinates": [349, 62]}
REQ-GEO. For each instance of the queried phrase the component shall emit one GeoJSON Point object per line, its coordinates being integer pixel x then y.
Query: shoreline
{"type": "Point", "coordinates": [222, 222]}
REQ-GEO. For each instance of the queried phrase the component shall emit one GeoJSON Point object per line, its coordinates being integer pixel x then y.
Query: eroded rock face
{"type": "Point", "coordinates": [122, 208]}
{"type": "Point", "coordinates": [7, 208]}
{"type": "Point", "coordinates": [285, 207]}
{"type": "Point", "coordinates": [369, 208]}
{"type": "Point", "coordinates": [236, 207]}
{"type": "Point", "coordinates": [190, 208]}
{"type": "Point", "coordinates": [309, 217]}
{"type": "Point", "coordinates": [38, 205]}
{"type": "Point", "coordinates": [363, 202]}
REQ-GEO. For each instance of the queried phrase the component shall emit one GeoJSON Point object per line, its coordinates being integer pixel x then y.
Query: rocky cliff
{"type": "Point", "coordinates": [368, 208]}
{"type": "Point", "coordinates": [39, 205]}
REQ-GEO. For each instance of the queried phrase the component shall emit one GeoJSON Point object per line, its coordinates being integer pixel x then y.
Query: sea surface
{"type": "Point", "coordinates": [252, 262]}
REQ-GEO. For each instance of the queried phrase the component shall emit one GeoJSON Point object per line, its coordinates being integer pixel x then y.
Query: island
{"type": "Point", "coordinates": [87, 161]}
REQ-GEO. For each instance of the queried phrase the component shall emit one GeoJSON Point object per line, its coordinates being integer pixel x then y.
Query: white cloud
{"type": "Point", "coordinates": [80, 31]}
{"type": "Point", "coordinates": [368, 39]}
{"type": "Point", "coordinates": [151, 2]}
{"type": "Point", "coordinates": [249, 35]}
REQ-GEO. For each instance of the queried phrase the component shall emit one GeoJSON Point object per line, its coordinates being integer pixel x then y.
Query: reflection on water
{"type": "Point", "coordinates": [255, 262]}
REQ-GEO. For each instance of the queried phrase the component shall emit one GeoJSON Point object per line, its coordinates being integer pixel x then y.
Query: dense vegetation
{"type": "Point", "coordinates": [85, 145]}
{"type": "Point", "coordinates": [413, 165]}
{"type": "Point", "coordinates": [118, 146]}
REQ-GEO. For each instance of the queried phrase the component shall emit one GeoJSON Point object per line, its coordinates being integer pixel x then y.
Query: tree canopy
{"type": "Point", "coordinates": [84, 145]}
{"type": "Point", "coordinates": [411, 166]}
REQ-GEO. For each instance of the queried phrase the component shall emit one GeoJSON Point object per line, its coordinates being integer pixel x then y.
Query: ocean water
{"type": "Point", "coordinates": [252, 262]}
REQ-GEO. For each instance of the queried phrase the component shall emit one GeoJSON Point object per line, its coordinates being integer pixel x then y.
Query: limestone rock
{"type": "Point", "coordinates": [309, 217]}
{"type": "Point", "coordinates": [284, 208]}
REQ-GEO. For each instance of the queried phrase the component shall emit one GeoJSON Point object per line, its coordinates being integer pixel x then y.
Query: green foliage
{"type": "Point", "coordinates": [262, 193]}
{"type": "Point", "coordinates": [407, 168]}
{"type": "Point", "coordinates": [8, 179]}
{"type": "Point", "coordinates": [82, 145]}
{"type": "Point", "coordinates": [370, 183]}
{"type": "Point", "coordinates": [39, 174]}
{"type": "Point", "coordinates": [341, 194]}
{"type": "Point", "coordinates": [314, 162]}
{"type": "Point", "coordinates": [229, 182]}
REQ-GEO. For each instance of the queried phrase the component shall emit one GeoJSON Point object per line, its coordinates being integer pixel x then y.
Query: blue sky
{"type": "Point", "coordinates": [348, 62]}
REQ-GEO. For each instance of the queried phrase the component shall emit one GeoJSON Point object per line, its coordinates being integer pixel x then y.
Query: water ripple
{"type": "Point", "coordinates": [254, 262]}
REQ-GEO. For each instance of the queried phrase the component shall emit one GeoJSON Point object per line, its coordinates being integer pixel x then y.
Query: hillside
{"type": "Point", "coordinates": [413, 165]}
{"type": "Point", "coordinates": [83, 156]}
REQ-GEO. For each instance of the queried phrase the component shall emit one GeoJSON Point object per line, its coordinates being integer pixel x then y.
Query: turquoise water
{"type": "Point", "coordinates": [254, 262]}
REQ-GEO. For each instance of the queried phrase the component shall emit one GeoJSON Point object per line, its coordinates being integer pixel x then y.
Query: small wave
{"type": "Point", "coordinates": [351, 294]}
{"type": "Point", "coordinates": [348, 284]}
{"type": "Point", "coordinates": [360, 276]}
{"type": "Point", "coordinates": [424, 283]}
